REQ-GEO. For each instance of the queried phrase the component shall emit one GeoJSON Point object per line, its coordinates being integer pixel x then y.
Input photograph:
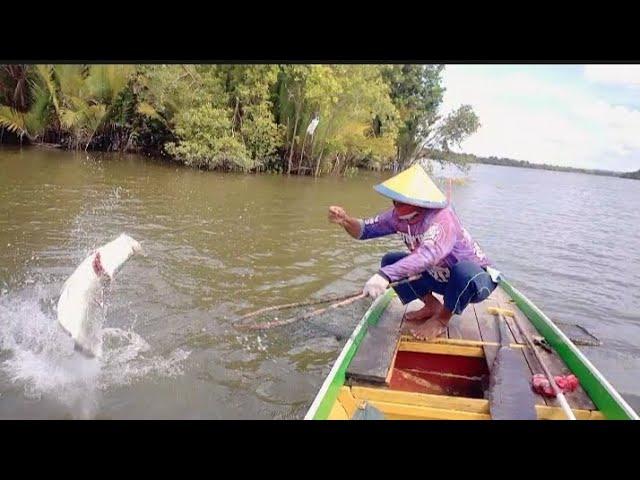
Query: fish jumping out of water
{"type": "Point", "coordinates": [80, 307]}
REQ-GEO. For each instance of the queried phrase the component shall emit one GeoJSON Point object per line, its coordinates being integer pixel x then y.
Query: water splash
{"type": "Point", "coordinates": [126, 359]}
{"type": "Point", "coordinates": [90, 228]}
{"type": "Point", "coordinates": [42, 359]}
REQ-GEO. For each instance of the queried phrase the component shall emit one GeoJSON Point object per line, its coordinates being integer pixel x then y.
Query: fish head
{"type": "Point", "coordinates": [136, 247]}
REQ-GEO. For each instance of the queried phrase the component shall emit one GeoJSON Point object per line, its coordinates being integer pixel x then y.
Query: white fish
{"type": "Point", "coordinates": [80, 307]}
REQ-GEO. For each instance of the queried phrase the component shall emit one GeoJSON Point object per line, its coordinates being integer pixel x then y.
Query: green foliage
{"type": "Point", "coordinates": [457, 126]}
{"type": "Point", "coordinates": [14, 87]}
{"type": "Point", "coordinates": [72, 99]}
{"type": "Point", "coordinates": [363, 124]}
{"type": "Point", "coordinates": [348, 100]}
{"type": "Point", "coordinates": [13, 121]}
{"type": "Point", "coordinates": [261, 135]}
{"type": "Point", "coordinates": [417, 93]}
{"type": "Point", "coordinates": [248, 90]}
{"type": "Point", "coordinates": [30, 124]}
{"type": "Point", "coordinates": [221, 112]}
{"type": "Point", "coordinates": [207, 140]}
{"type": "Point", "coordinates": [245, 117]}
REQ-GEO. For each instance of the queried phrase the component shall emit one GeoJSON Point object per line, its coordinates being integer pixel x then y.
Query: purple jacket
{"type": "Point", "coordinates": [437, 241]}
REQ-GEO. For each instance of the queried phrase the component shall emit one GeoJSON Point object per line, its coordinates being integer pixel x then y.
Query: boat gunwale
{"type": "Point", "coordinates": [602, 393]}
{"type": "Point", "coordinates": [322, 403]}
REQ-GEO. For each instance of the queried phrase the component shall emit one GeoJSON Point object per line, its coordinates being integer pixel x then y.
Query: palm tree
{"type": "Point", "coordinates": [88, 93]}
{"type": "Point", "coordinates": [14, 86]}
{"type": "Point", "coordinates": [27, 112]}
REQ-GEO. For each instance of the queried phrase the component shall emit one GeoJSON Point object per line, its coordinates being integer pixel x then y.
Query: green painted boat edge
{"type": "Point", "coordinates": [604, 396]}
{"type": "Point", "coordinates": [322, 404]}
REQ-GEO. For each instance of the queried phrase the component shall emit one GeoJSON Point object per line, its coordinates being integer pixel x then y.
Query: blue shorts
{"type": "Point", "coordinates": [467, 283]}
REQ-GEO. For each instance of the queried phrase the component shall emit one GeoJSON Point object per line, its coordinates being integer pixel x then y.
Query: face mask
{"type": "Point", "coordinates": [408, 216]}
{"type": "Point", "coordinates": [404, 211]}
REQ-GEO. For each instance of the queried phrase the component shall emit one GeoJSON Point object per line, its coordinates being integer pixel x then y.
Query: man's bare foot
{"type": "Point", "coordinates": [431, 307]}
{"type": "Point", "coordinates": [429, 329]}
{"type": "Point", "coordinates": [433, 327]}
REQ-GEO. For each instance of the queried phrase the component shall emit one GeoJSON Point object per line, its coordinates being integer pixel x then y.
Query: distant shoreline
{"type": "Point", "coordinates": [508, 162]}
{"type": "Point", "coordinates": [544, 166]}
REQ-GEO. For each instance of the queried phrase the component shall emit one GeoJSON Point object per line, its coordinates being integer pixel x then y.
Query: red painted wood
{"type": "Point", "coordinates": [439, 374]}
{"type": "Point", "coordinates": [459, 365]}
{"type": "Point", "coordinates": [435, 383]}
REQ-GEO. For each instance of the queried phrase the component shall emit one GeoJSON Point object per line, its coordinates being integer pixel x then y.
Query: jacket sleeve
{"type": "Point", "coordinates": [377, 226]}
{"type": "Point", "coordinates": [437, 243]}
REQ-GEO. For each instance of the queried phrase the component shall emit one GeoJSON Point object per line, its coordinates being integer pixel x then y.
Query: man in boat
{"type": "Point", "coordinates": [441, 252]}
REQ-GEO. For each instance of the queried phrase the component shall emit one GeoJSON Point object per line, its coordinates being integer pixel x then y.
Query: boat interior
{"type": "Point", "coordinates": [394, 376]}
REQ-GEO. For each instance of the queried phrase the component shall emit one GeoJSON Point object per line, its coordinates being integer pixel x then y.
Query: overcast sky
{"type": "Point", "coordinates": [573, 115]}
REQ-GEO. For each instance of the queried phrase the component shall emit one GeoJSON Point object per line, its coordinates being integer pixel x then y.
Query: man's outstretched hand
{"type": "Point", "coordinates": [338, 215]}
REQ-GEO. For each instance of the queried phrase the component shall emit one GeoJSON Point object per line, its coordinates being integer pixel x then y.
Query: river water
{"type": "Point", "coordinates": [220, 245]}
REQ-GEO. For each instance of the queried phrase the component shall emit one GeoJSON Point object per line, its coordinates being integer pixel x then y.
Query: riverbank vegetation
{"type": "Point", "coordinates": [293, 119]}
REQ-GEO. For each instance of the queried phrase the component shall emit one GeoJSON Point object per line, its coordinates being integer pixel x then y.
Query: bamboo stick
{"type": "Point", "coordinates": [279, 323]}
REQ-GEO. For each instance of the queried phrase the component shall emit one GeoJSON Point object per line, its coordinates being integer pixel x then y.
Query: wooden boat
{"type": "Point", "coordinates": [382, 373]}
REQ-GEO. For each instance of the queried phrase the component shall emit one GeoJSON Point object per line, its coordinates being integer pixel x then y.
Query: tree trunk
{"type": "Point", "coordinates": [317, 170]}
{"type": "Point", "coordinates": [90, 138]}
{"type": "Point", "coordinates": [336, 166]}
{"type": "Point", "coordinates": [304, 139]}
{"type": "Point", "coordinates": [293, 140]}
{"type": "Point", "coordinates": [347, 160]}
{"type": "Point", "coordinates": [235, 120]}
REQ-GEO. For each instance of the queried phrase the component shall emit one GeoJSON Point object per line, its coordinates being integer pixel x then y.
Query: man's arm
{"type": "Point", "coordinates": [374, 227]}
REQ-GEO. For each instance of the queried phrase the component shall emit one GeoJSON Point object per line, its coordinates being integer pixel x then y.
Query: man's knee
{"type": "Point", "coordinates": [463, 272]}
{"type": "Point", "coordinates": [470, 283]}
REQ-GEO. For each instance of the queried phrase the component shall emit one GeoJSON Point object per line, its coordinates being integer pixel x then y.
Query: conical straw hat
{"type": "Point", "coordinates": [413, 186]}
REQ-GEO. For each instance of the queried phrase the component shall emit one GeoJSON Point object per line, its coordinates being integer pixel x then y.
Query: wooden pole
{"type": "Point", "coordinates": [560, 396]}
{"type": "Point", "coordinates": [298, 304]}
{"type": "Point", "coordinates": [343, 300]}
{"type": "Point", "coordinates": [278, 323]}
